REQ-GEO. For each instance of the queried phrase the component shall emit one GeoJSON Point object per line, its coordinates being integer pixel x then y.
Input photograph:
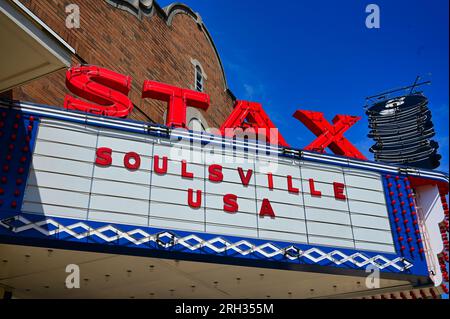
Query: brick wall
{"type": "Point", "coordinates": [144, 48]}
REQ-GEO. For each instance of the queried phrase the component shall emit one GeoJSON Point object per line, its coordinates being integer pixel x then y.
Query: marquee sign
{"type": "Point", "coordinates": [87, 182]}
{"type": "Point", "coordinates": [109, 177]}
{"type": "Point", "coordinates": [85, 178]}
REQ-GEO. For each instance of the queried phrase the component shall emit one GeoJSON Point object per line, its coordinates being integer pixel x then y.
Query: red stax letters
{"type": "Point", "coordinates": [251, 115]}
{"type": "Point", "coordinates": [108, 93]}
{"type": "Point", "coordinates": [330, 135]}
{"type": "Point", "coordinates": [107, 89]}
{"type": "Point", "coordinates": [177, 99]}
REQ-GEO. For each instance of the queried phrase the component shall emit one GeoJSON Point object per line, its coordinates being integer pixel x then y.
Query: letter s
{"type": "Point", "coordinates": [108, 89]}
{"type": "Point", "coordinates": [103, 156]}
{"type": "Point", "coordinates": [230, 204]}
{"type": "Point", "coordinates": [215, 173]}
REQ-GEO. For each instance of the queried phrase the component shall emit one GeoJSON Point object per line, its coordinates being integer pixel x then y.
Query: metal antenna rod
{"type": "Point", "coordinates": [414, 85]}
{"type": "Point", "coordinates": [399, 89]}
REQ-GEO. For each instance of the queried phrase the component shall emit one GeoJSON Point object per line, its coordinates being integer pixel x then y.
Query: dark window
{"type": "Point", "coordinates": [198, 79]}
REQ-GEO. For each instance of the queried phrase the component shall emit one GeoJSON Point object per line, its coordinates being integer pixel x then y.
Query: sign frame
{"type": "Point", "coordinates": [26, 229]}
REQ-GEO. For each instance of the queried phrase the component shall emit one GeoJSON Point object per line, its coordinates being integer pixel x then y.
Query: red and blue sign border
{"type": "Point", "coordinates": [403, 218]}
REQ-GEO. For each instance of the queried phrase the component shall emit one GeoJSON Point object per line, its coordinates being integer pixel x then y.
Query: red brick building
{"type": "Point", "coordinates": [170, 45]}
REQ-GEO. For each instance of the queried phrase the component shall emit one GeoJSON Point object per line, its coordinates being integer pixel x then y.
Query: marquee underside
{"type": "Point", "coordinates": [32, 272]}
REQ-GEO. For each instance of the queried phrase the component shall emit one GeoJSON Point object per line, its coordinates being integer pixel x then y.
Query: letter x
{"type": "Point", "coordinates": [328, 135]}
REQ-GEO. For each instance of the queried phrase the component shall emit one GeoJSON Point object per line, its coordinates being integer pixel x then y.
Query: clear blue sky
{"type": "Point", "coordinates": [318, 55]}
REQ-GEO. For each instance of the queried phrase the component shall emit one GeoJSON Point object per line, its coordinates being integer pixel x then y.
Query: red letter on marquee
{"type": "Point", "coordinates": [266, 209]}
{"type": "Point", "coordinates": [250, 115]}
{"type": "Point", "coordinates": [156, 168]}
{"type": "Point", "coordinates": [291, 188]}
{"type": "Point", "coordinates": [137, 161]}
{"type": "Point", "coordinates": [312, 189]}
{"type": "Point", "coordinates": [184, 172]}
{"type": "Point", "coordinates": [331, 136]}
{"type": "Point", "coordinates": [230, 203]}
{"type": "Point", "coordinates": [177, 99]}
{"type": "Point", "coordinates": [270, 180]}
{"type": "Point", "coordinates": [339, 191]}
{"type": "Point", "coordinates": [245, 179]}
{"type": "Point", "coordinates": [215, 173]}
{"type": "Point", "coordinates": [106, 88]}
{"type": "Point", "coordinates": [191, 202]}
{"type": "Point", "coordinates": [103, 156]}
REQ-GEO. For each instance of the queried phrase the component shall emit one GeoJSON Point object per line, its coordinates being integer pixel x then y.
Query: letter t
{"type": "Point", "coordinates": [177, 100]}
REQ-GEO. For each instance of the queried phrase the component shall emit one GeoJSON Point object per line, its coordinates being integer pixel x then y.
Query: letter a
{"type": "Point", "coordinates": [373, 19]}
{"type": "Point", "coordinates": [266, 209]}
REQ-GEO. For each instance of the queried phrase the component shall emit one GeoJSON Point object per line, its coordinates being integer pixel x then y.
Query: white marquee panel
{"type": "Point", "coordinates": [241, 219]}
{"type": "Point", "coordinates": [176, 224]}
{"type": "Point", "coordinates": [120, 173]}
{"type": "Point", "coordinates": [328, 216]}
{"type": "Point", "coordinates": [120, 189]}
{"type": "Point", "coordinates": [371, 222]}
{"type": "Point", "coordinates": [276, 235]}
{"type": "Point", "coordinates": [232, 231]}
{"type": "Point", "coordinates": [62, 166]}
{"type": "Point", "coordinates": [326, 229]}
{"type": "Point", "coordinates": [176, 212]}
{"type": "Point", "coordinates": [59, 181]}
{"type": "Point", "coordinates": [372, 235]}
{"type": "Point", "coordinates": [332, 242]}
{"type": "Point", "coordinates": [279, 196]}
{"type": "Point", "coordinates": [282, 225]}
{"type": "Point", "coordinates": [70, 185]}
{"type": "Point", "coordinates": [56, 197]}
{"type": "Point", "coordinates": [121, 218]}
{"type": "Point", "coordinates": [72, 134]}
{"type": "Point", "coordinates": [286, 210]}
{"type": "Point", "coordinates": [119, 205]}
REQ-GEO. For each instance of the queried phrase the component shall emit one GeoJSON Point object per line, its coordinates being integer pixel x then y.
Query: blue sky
{"type": "Point", "coordinates": [319, 55]}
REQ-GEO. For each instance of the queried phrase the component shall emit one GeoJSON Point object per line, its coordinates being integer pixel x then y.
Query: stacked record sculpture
{"type": "Point", "coordinates": [402, 130]}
